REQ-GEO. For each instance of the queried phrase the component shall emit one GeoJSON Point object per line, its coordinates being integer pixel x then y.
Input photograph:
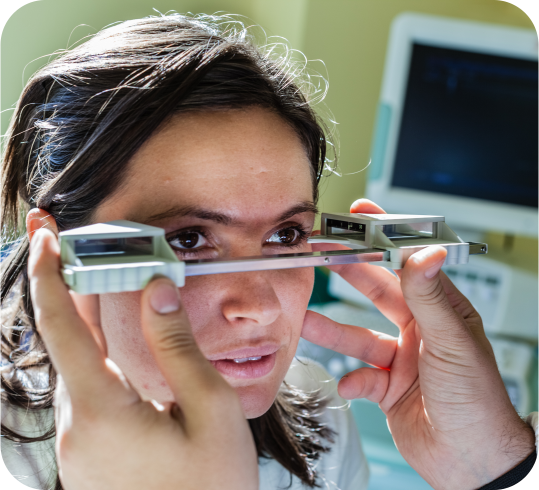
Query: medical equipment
{"type": "Point", "coordinates": [504, 296]}
{"type": "Point", "coordinates": [506, 299]}
{"type": "Point", "coordinates": [456, 131]}
{"type": "Point", "coordinates": [124, 256]}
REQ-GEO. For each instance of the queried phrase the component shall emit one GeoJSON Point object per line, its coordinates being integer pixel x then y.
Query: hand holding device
{"type": "Point", "coordinates": [107, 437]}
{"type": "Point", "coordinates": [438, 383]}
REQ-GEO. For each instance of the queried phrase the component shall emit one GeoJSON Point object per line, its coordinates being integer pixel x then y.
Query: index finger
{"type": "Point", "coordinates": [70, 344]}
{"type": "Point", "coordinates": [375, 348]}
{"type": "Point", "coordinates": [376, 283]}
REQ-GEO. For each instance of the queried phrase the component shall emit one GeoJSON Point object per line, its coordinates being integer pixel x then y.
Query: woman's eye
{"type": "Point", "coordinates": [188, 240]}
{"type": "Point", "coordinates": [286, 236]}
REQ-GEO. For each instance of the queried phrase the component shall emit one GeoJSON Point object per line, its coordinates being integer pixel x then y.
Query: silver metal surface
{"type": "Point", "coordinates": [283, 261]}
{"type": "Point", "coordinates": [477, 248]}
{"type": "Point", "coordinates": [293, 261]}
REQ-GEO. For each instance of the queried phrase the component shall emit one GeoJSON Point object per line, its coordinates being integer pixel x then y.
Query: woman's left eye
{"type": "Point", "coordinates": [188, 240]}
{"type": "Point", "coordinates": [286, 236]}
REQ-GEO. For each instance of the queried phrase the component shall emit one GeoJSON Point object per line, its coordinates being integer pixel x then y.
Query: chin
{"type": "Point", "coordinates": [256, 400]}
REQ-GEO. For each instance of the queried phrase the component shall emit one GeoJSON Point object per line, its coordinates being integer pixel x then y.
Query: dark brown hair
{"type": "Point", "coordinates": [77, 124]}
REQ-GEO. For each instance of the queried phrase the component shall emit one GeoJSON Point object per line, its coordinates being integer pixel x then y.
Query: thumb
{"type": "Point", "coordinates": [167, 331]}
{"type": "Point", "coordinates": [441, 327]}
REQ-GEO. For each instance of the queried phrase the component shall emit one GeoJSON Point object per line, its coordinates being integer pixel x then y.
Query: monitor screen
{"type": "Point", "coordinates": [469, 126]}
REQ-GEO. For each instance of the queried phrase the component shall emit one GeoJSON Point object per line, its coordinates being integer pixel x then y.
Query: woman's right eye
{"type": "Point", "coordinates": [188, 240]}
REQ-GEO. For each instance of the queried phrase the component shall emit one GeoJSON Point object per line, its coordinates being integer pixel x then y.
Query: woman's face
{"type": "Point", "coordinates": [221, 184]}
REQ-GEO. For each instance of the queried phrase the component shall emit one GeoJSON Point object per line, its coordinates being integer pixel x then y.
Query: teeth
{"type": "Point", "coordinates": [245, 359]}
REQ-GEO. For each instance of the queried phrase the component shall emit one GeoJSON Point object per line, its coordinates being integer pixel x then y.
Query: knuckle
{"type": "Point", "coordinates": [368, 347]}
{"type": "Point", "coordinates": [173, 338]}
{"type": "Point", "coordinates": [358, 383]}
{"type": "Point", "coordinates": [361, 388]}
{"type": "Point", "coordinates": [466, 309]}
{"type": "Point", "coordinates": [372, 388]}
{"type": "Point", "coordinates": [433, 294]}
{"type": "Point", "coordinates": [454, 346]}
{"type": "Point", "coordinates": [378, 291]}
{"type": "Point", "coordinates": [338, 269]}
{"type": "Point", "coordinates": [338, 337]}
{"type": "Point", "coordinates": [376, 391]}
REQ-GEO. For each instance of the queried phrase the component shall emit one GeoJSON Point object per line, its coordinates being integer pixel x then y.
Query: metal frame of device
{"type": "Point", "coordinates": [410, 28]}
{"type": "Point", "coordinates": [116, 256]}
{"type": "Point", "coordinates": [124, 256]}
{"type": "Point", "coordinates": [399, 235]}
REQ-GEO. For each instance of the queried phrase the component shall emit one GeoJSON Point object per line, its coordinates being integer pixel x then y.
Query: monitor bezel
{"type": "Point", "coordinates": [465, 212]}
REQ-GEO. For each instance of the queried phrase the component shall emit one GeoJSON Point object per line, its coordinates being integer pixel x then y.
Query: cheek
{"type": "Point", "coordinates": [202, 298]}
{"type": "Point", "coordinates": [294, 290]}
{"type": "Point", "coordinates": [120, 319]}
{"type": "Point", "coordinates": [296, 293]}
{"type": "Point", "coordinates": [120, 316]}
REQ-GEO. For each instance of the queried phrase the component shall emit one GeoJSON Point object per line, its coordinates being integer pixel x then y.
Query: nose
{"type": "Point", "coordinates": [250, 299]}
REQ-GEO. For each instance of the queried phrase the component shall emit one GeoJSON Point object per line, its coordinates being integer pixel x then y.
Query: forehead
{"type": "Point", "coordinates": [246, 162]}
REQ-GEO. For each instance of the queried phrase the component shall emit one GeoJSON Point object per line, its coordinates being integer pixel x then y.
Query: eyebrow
{"type": "Point", "coordinates": [223, 218]}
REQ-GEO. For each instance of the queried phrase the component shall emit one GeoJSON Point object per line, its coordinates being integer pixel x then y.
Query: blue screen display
{"type": "Point", "coordinates": [469, 126]}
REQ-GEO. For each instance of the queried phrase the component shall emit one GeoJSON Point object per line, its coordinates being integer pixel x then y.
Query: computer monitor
{"type": "Point", "coordinates": [456, 131]}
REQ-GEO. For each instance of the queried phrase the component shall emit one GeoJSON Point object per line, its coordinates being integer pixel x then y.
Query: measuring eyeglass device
{"type": "Point", "coordinates": [123, 256]}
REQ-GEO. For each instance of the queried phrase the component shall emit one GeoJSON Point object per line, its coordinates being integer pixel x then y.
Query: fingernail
{"type": "Point", "coordinates": [432, 271]}
{"type": "Point", "coordinates": [165, 298]}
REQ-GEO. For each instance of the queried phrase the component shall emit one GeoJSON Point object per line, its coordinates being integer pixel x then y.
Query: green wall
{"type": "Point", "coordinates": [350, 36]}
{"type": "Point", "coordinates": [44, 27]}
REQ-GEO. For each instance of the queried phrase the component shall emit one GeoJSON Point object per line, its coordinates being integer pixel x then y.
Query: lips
{"type": "Point", "coordinates": [247, 363]}
{"type": "Point", "coordinates": [246, 369]}
{"type": "Point", "coordinates": [261, 350]}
